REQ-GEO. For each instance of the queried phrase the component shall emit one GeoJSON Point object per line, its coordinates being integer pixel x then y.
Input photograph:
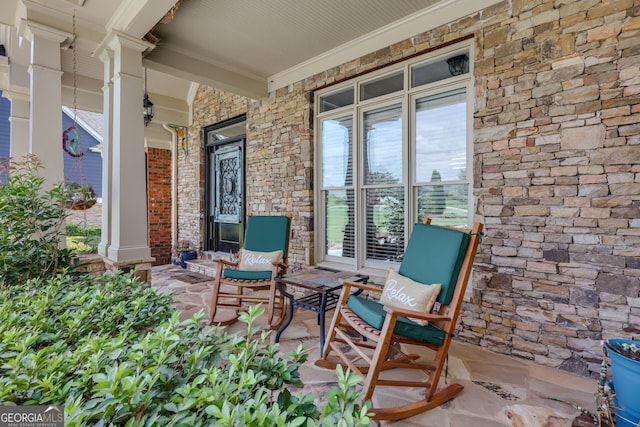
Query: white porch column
{"type": "Point", "coordinates": [106, 56]}
{"type": "Point", "coordinates": [128, 234]}
{"type": "Point", "coordinates": [18, 124]}
{"type": "Point", "coordinates": [46, 98]}
{"type": "Point", "coordinates": [15, 87]}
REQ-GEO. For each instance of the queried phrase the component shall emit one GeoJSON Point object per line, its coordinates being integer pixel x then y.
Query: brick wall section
{"type": "Point", "coordinates": [556, 171]}
{"type": "Point", "coordinates": [159, 204]}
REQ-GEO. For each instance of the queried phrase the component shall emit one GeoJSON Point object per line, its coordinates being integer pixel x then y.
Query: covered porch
{"type": "Point", "coordinates": [499, 390]}
{"type": "Point", "coordinates": [548, 129]}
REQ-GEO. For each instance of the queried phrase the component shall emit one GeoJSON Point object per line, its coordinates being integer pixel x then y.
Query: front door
{"type": "Point", "coordinates": [225, 193]}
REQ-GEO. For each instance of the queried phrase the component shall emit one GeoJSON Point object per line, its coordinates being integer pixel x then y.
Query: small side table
{"type": "Point", "coordinates": [324, 284]}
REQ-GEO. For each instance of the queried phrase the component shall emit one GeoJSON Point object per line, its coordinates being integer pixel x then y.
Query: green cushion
{"type": "Point", "coordinates": [434, 255]}
{"type": "Point", "coordinates": [246, 275]}
{"type": "Point", "coordinates": [374, 314]}
{"type": "Point", "coordinates": [267, 234]}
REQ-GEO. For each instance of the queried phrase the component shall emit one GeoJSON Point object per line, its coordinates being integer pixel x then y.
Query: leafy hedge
{"type": "Point", "coordinates": [83, 239]}
{"type": "Point", "coordinates": [114, 352]}
{"type": "Point", "coordinates": [74, 229]}
{"type": "Point", "coordinates": [31, 224]}
{"type": "Point", "coordinates": [90, 344]}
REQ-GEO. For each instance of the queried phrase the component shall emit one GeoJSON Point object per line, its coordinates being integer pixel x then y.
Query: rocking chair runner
{"type": "Point", "coordinates": [251, 280]}
{"type": "Point", "coordinates": [434, 255]}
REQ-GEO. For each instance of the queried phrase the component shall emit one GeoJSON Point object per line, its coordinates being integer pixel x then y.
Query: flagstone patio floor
{"type": "Point", "coordinates": [498, 390]}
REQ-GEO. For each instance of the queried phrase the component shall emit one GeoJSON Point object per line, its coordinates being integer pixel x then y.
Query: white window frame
{"type": "Point", "coordinates": [407, 97]}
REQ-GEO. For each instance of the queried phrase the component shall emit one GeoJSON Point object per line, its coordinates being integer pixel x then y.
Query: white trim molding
{"type": "Point", "coordinates": [417, 23]}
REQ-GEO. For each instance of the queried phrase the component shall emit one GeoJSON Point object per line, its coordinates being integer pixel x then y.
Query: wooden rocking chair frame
{"type": "Point", "coordinates": [240, 291]}
{"type": "Point", "coordinates": [385, 344]}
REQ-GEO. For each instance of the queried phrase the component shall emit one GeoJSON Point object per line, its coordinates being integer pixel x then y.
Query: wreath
{"type": "Point", "coordinates": [70, 141]}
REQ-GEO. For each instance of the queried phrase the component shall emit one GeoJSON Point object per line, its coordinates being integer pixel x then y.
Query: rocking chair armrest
{"type": "Point", "coordinates": [280, 265]}
{"type": "Point", "coordinates": [279, 268]}
{"type": "Point", "coordinates": [365, 287]}
{"type": "Point", "coordinates": [395, 311]}
{"type": "Point", "coordinates": [228, 262]}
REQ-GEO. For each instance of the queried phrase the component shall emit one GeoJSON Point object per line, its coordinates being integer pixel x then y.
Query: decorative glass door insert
{"type": "Point", "coordinates": [228, 202]}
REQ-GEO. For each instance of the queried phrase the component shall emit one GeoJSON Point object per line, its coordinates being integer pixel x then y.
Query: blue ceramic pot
{"type": "Point", "coordinates": [626, 379]}
{"type": "Point", "coordinates": [186, 256]}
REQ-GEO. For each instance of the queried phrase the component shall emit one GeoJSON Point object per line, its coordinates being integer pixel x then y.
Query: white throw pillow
{"type": "Point", "coordinates": [258, 261]}
{"type": "Point", "coordinates": [402, 292]}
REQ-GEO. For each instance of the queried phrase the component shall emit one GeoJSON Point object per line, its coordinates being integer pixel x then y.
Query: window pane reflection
{"type": "Point", "coordinates": [337, 158]}
{"type": "Point", "coordinates": [336, 100]}
{"type": "Point", "coordinates": [383, 145]}
{"type": "Point", "coordinates": [382, 86]}
{"type": "Point", "coordinates": [340, 229]}
{"type": "Point", "coordinates": [444, 204]}
{"type": "Point", "coordinates": [441, 141]}
{"type": "Point", "coordinates": [385, 223]}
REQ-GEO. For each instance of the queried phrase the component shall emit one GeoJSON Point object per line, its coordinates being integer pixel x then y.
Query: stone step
{"type": "Point", "coordinates": [212, 255]}
{"type": "Point", "coordinates": [202, 266]}
{"type": "Point", "coordinates": [206, 262]}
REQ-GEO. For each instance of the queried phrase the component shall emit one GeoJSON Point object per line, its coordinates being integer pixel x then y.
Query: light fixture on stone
{"type": "Point", "coordinates": [147, 105]}
{"type": "Point", "coordinates": [458, 64]}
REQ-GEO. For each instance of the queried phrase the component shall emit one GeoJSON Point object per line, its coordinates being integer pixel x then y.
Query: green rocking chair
{"type": "Point", "coordinates": [437, 256]}
{"type": "Point", "coordinates": [251, 280]}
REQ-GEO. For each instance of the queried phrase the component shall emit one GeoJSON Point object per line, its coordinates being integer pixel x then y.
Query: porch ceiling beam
{"type": "Point", "coordinates": [137, 17]}
{"type": "Point", "coordinates": [195, 69]}
{"type": "Point", "coordinates": [88, 93]}
{"type": "Point", "coordinates": [170, 110]}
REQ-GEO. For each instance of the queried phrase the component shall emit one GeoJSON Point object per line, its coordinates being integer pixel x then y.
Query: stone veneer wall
{"type": "Point", "coordinates": [556, 171]}
{"type": "Point", "coordinates": [210, 106]}
{"type": "Point", "coordinates": [280, 165]}
{"type": "Point", "coordinates": [159, 204]}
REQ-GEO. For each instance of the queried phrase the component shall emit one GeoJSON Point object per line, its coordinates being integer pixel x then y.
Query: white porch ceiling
{"type": "Point", "coordinates": [249, 47]}
{"type": "Point", "coordinates": [260, 39]}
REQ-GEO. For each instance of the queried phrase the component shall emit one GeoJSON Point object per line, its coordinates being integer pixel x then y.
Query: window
{"type": "Point", "coordinates": [336, 100]}
{"type": "Point", "coordinates": [441, 157]}
{"type": "Point", "coordinates": [382, 86]}
{"type": "Point", "coordinates": [383, 181]}
{"type": "Point", "coordinates": [393, 147]}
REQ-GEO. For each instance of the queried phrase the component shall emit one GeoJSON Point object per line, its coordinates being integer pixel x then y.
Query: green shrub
{"type": "Point", "coordinates": [114, 352]}
{"type": "Point", "coordinates": [82, 239]}
{"type": "Point", "coordinates": [74, 229]}
{"type": "Point", "coordinates": [78, 245]}
{"type": "Point", "coordinates": [30, 224]}
{"type": "Point", "coordinates": [90, 343]}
